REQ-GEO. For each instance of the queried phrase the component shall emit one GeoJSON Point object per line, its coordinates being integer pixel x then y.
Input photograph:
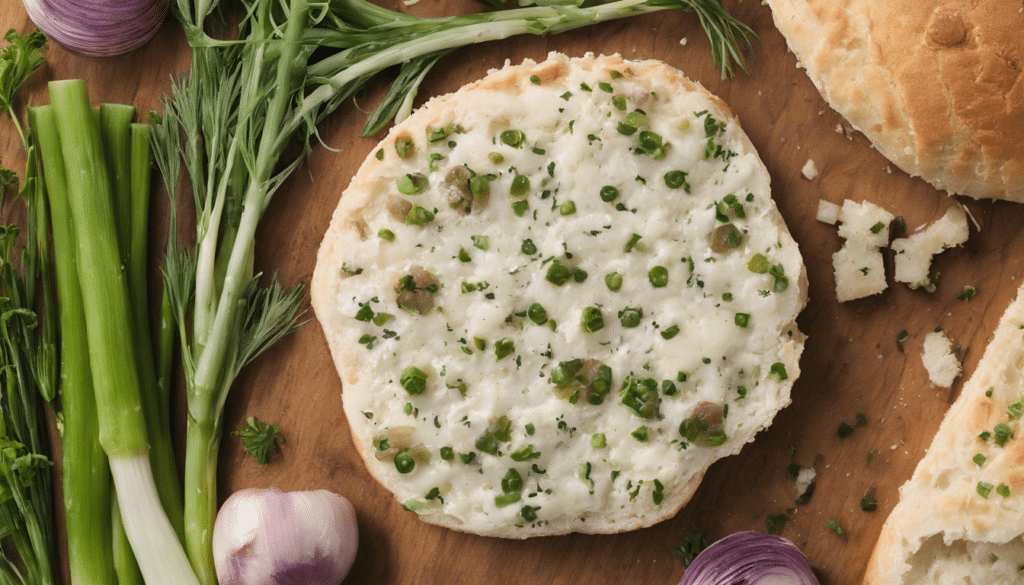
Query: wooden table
{"type": "Point", "coordinates": [851, 362]}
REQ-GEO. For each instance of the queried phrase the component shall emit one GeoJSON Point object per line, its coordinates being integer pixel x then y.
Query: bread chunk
{"type": "Point", "coordinates": [858, 265]}
{"type": "Point", "coordinates": [914, 253]}
{"type": "Point", "coordinates": [960, 518]}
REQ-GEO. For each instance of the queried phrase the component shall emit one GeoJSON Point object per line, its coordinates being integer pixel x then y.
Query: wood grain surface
{"type": "Point", "coordinates": [851, 362]}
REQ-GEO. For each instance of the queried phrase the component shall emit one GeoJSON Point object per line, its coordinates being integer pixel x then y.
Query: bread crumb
{"type": "Point", "coordinates": [858, 265]}
{"type": "Point", "coordinates": [914, 253]}
{"type": "Point", "coordinates": [682, 41]}
{"type": "Point", "coordinates": [828, 212]}
{"type": "Point", "coordinates": [939, 359]}
{"type": "Point", "coordinates": [805, 480]}
{"type": "Point", "coordinates": [810, 170]}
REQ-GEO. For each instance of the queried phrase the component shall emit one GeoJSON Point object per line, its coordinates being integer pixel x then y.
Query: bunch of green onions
{"type": "Point", "coordinates": [230, 121]}
{"type": "Point", "coordinates": [96, 164]}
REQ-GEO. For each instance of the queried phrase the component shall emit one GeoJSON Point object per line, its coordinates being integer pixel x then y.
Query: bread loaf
{"type": "Point", "coordinates": [936, 85]}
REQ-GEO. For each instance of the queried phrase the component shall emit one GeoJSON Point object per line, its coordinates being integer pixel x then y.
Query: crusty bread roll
{"type": "Point", "coordinates": [557, 296]}
{"type": "Point", "coordinates": [960, 518]}
{"type": "Point", "coordinates": [936, 85]}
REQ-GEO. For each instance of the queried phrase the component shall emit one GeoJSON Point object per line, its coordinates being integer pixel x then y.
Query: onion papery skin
{"type": "Point", "coordinates": [98, 28]}
{"type": "Point", "coordinates": [750, 558]}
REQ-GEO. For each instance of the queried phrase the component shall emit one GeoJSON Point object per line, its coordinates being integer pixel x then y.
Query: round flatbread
{"type": "Point", "coordinates": [936, 85]}
{"type": "Point", "coordinates": [556, 296]}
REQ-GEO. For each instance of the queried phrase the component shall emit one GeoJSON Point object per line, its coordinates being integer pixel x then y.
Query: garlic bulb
{"type": "Point", "coordinates": [269, 537]}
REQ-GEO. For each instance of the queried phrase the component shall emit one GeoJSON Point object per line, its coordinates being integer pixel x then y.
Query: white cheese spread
{"type": "Point", "coordinates": [615, 314]}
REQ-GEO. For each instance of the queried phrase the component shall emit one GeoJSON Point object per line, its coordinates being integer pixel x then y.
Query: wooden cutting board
{"type": "Point", "coordinates": [851, 363]}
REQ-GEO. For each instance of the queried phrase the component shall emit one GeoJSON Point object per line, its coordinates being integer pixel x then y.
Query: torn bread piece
{"type": "Point", "coordinates": [914, 253]}
{"type": "Point", "coordinates": [940, 359]}
{"type": "Point", "coordinates": [858, 265]}
{"type": "Point", "coordinates": [960, 518]}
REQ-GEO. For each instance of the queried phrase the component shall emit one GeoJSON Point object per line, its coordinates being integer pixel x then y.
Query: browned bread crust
{"type": "Point", "coordinates": [946, 523]}
{"type": "Point", "coordinates": [936, 85]}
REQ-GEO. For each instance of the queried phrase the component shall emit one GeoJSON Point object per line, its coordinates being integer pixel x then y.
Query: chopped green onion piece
{"type": "Point", "coordinates": [633, 240]}
{"type": "Point", "coordinates": [558, 274]}
{"type": "Point", "coordinates": [413, 183]}
{"type": "Point", "coordinates": [868, 503]}
{"type": "Point", "coordinates": [503, 348]}
{"type": "Point", "coordinates": [404, 462]}
{"type": "Point", "coordinates": [418, 216]}
{"type": "Point", "coordinates": [537, 314]}
{"type": "Point", "coordinates": [481, 242]}
{"type": "Point", "coordinates": [513, 138]}
{"type": "Point", "coordinates": [404, 146]}
{"type": "Point", "coordinates": [630, 317]}
{"type": "Point", "coordinates": [1003, 433]}
{"type": "Point", "coordinates": [613, 280]}
{"type": "Point", "coordinates": [520, 186]}
{"type": "Point", "coordinates": [658, 276]}
{"type": "Point", "coordinates": [591, 319]}
{"type": "Point", "coordinates": [758, 264]}
{"type": "Point", "coordinates": [506, 499]}
{"type": "Point", "coordinates": [984, 489]}
{"type": "Point", "coordinates": [778, 371]}
{"type": "Point", "coordinates": [413, 379]}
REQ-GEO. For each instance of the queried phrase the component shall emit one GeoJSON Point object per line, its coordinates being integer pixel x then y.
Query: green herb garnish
{"type": "Point", "coordinates": [260, 439]}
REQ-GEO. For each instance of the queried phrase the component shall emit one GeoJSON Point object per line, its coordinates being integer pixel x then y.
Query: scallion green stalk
{"type": "Point", "coordinates": [122, 425]}
{"type": "Point", "coordinates": [86, 475]}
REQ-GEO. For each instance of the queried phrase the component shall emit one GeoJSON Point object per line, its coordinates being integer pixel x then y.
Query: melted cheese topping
{"type": "Point", "coordinates": [696, 330]}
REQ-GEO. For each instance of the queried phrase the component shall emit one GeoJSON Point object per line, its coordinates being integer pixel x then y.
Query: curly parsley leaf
{"type": "Point", "coordinates": [260, 439]}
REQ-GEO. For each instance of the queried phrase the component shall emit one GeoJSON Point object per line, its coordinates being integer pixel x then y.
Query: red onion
{"type": "Point", "coordinates": [98, 28]}
{"type": "Point", "coordinates": [752, 558]}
